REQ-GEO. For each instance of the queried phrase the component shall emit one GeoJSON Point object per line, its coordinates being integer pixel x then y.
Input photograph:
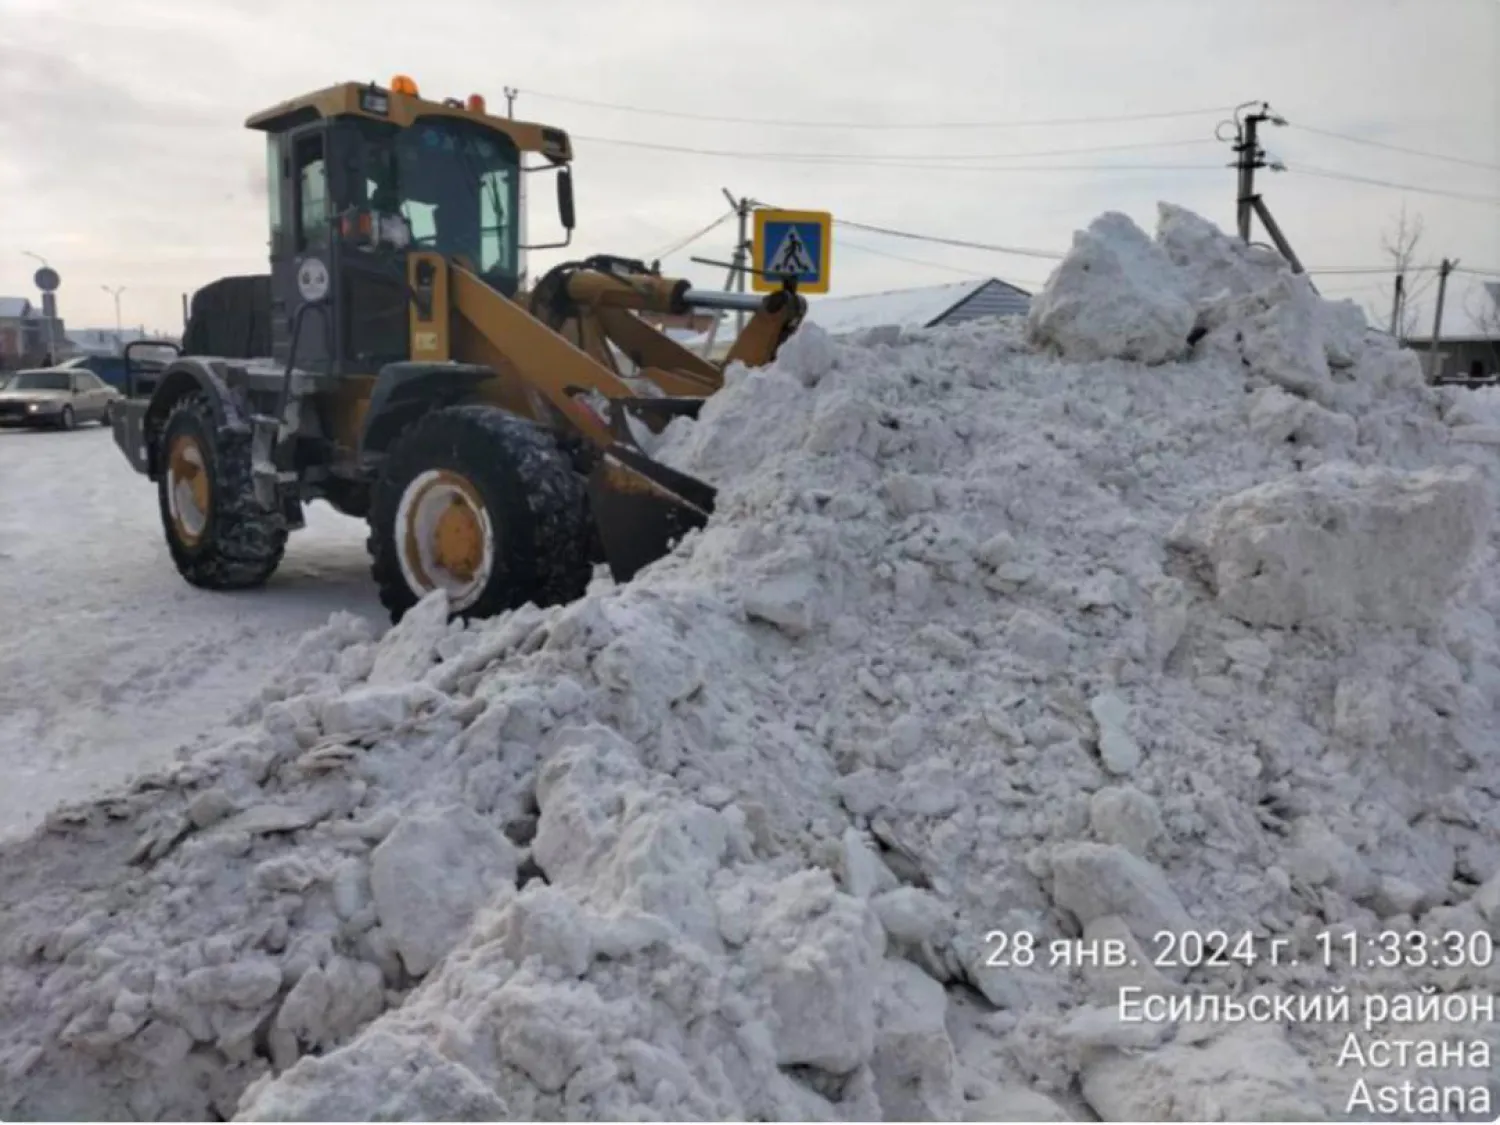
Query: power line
{"type": "Point", "coordinates": [694, 237]}
{"type": "Point", "coordinates": [1050, 255]}
{"type": "Point", "coordinates": [1395, 148]}
{"type": "Point", "coordinates": [1392, 268]}
{"type": "Point", "coordinates": [848, 160]}
{"type": "Point", "coordinates": [844, 242]}
{"type": "Point", "coordinates": [1057, 256]}
{"type": "Point", "coordinates": [882, 158]}
{"type": "Point", "coordinates": [874, 125]}
{"type": "Point", "coordinates": [1372, 269]}
{"type": "Point", "coordinates": [1328, 174]}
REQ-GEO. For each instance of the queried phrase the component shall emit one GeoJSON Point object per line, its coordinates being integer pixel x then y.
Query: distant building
{"type": "Point", "coordinates": [24, 334]}
{"type": "Point", "coordinates": [102, 341]}
{"type": "Point", "coordinates": [1465, 355]}
{"type": "Point", "coordinates": [928, 307]}
{"type": "Point", "coordinates": [1468, 356]}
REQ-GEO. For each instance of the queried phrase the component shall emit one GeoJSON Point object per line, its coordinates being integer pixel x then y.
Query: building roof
{"type": "Point", "coordinates": [906, 308]}
{"type": "Point", "coordinates": [102, 341]}
{"type": "Point", "coordinates": [15, 308]}
{"type": "Point", "coordinates": [925, 307]}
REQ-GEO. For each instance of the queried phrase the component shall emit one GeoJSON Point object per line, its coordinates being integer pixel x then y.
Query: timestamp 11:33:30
{"type": "Point", "coordinates": [1332, 949]}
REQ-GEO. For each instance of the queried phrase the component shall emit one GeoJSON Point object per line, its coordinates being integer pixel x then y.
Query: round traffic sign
{"type": "Point", "coordinates": [46, 279]}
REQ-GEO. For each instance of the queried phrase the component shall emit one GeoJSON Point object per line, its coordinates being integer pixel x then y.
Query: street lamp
{"type": "Point", "coordinates": [115, 292]}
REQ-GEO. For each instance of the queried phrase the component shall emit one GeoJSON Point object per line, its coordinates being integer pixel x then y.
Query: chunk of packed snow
{"type": "Point", "coordinates": [1345, 543]}
{"type": "Point", "coordinates": [1211, 264]}
{"type": "Point", "coordinates": [1116, 295]}
{"type": "Point", "coordinates": [430, 875]}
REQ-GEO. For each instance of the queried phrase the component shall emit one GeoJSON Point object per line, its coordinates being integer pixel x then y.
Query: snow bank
{"type": "Point", "coordinates": [985, 648]}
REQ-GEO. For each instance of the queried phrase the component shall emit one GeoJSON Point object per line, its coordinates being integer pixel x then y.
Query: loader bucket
{"type": "Point", "coordinates": [641, 508]}
{"type": "Point", "coordinates": [656, 413]}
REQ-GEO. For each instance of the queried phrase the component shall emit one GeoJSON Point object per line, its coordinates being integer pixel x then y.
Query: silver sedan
{"type": "Point", "coordinates": [60, 397]}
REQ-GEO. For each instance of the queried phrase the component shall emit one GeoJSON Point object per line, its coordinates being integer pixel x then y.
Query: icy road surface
{"type": "Point", "coordinates": [108, 660]}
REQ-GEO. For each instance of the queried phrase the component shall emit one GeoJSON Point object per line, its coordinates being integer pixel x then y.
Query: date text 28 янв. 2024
{"type": "Point", "coordinates": [1412, 949]}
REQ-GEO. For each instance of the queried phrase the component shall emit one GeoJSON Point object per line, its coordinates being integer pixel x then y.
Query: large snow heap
{"type": "Point", "coordinates": [1003, 634]}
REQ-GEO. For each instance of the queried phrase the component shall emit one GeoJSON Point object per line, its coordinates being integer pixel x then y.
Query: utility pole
{"type": "Point", "coordinates": [1248, 157]}
{"type": "Point", "coordinates": [1434, 362]}
{"type": "Point", "coordinates": [741, 250]}
{"type": "Point", "coordinates": [115, 292]}
{"type": "Point", "coordinates": [511, 92]}
{"type": "Point", "coordinates": [739, 265]}
{"type": "Point", "coordinates": [1396, 306]}
{"type": "Point", "coordinates": [1251, 157]}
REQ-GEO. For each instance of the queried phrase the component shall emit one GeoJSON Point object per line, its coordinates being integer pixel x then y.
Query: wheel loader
{"type": "Point", "coordinates": [391, 365]}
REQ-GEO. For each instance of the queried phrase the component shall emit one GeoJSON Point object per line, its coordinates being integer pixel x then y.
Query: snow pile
{"type": "Point", "coordinates": [984, 649]}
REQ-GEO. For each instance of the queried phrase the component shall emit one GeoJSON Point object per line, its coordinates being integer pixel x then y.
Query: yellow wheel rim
{"type": "Point", "coordinates": [444, 537]}
{"type": "Point", "coordinates": [188, 493]}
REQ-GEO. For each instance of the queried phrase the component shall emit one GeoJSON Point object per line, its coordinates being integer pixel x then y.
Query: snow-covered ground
{"type": "Point", "coordinates": [108, 659]}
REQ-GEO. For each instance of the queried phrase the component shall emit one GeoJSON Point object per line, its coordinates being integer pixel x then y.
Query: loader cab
{"type": "Point", "coordinates": [359, 175]}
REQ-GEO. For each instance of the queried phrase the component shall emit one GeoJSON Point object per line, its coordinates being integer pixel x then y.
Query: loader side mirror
{"type": "Point", "coordinates": [565, 198]}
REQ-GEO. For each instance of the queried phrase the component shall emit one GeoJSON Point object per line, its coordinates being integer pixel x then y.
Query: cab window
{"type": "Point", "coordinates": [310, 173]}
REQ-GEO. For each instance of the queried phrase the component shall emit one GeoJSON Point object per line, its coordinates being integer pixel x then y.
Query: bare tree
{"type": "Point", "coordinates": [1399, 244]}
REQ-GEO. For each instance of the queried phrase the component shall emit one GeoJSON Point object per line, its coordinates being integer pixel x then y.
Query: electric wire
{"type": "Point", "coordinates": [849, 160]}
{"type": "Point", "coordinates": [937, 240]}
{"type": "Point", "coordinates": [1395, 148]}
{"type": "Point", "coordinates": [845, 243]}
{"type": "Point", "coordinates": [1330, 174]}
{"type": "Point", "coordinates": [899, 159]}
{"type": "Point", "coordinates": [874, 125]}
{"type": "Point", "coordinates": [672, 248]}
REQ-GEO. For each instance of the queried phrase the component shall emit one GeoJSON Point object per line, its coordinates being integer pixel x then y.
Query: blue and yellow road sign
{"type": "Point", "coordinates": [799, 243]}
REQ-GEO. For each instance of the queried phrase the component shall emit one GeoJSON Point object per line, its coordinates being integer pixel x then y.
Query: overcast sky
{"type": "Point", "coordinates": [125, 161]}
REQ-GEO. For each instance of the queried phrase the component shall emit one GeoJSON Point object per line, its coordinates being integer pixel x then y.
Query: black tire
{"type": "Point", "coordinates": [107, 419]}
{"type": "Point", "coordinates": [65, 420]}
{"type": "Point", "coordinates": [535, 501]}
{"type": "Point", "coordinates": [240, 545]}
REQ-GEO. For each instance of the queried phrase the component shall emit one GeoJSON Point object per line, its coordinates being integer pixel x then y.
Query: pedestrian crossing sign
{"type": "Point", "coordinates": [799, 243]}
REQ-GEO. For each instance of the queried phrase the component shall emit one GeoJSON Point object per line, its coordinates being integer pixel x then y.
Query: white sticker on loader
{"type": "Point", "coordinates": [312, 279]}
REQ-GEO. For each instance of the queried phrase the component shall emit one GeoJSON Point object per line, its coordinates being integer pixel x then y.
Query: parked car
{"type": "Point", "coordinates": [56, 396]}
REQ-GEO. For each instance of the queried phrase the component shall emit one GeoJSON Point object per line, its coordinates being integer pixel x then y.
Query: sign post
{"type": "Point", "coordinates": [47, 280]}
